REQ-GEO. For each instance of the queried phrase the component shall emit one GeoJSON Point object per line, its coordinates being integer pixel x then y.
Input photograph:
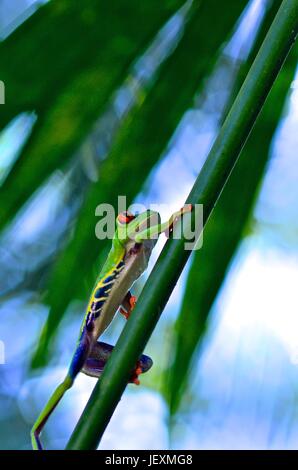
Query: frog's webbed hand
{"type": "Point", "coordinates": [101, 353]}
{"type": "Point", "coordinates": [166, 227]}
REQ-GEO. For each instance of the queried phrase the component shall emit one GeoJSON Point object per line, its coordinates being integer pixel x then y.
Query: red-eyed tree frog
{"type": "Point", "coordinates": [133, 241]}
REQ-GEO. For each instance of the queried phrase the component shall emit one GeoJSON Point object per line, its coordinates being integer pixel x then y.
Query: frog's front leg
{"type": "Point", "coordinates": [101, 353]}
{"type": "Point", "coordinates": [127, 305]}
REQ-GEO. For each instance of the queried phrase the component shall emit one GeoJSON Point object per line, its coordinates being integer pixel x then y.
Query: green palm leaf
{"type": "Point", "coordinates": [68, 59]}
{"type": "Point", "coordinates": [222, 236]}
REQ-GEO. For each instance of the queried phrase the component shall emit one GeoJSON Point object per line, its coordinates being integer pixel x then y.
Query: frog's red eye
{"type": "Point", "coordinates": [125, 217]}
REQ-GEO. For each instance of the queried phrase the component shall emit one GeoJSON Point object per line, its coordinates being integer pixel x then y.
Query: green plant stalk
{"type": "Point", "coordinates": [210, 264]}
{"type": "Point", "coordinates": [206, 190]}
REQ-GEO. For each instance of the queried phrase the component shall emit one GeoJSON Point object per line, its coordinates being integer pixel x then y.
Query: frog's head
{"type": "Point", "coordinates": [129, 225]}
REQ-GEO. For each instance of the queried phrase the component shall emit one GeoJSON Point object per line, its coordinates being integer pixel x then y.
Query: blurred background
{"type": "Point", "coordinates": [125, 98]}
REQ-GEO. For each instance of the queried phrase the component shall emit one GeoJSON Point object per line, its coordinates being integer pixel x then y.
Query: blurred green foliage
{"type": "Point", "coordinates": [64, 63]}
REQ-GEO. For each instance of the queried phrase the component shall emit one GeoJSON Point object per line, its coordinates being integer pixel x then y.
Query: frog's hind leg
{"type": "Point", "coordinates": [99, 356]}
{"type": "Point", "coordinates": [79, 358]}
{"type": "Point", "coordinates": [47, 411]}
{"type": "Point", "coordinates": [97, 359]}
{"type": "Point", "coordinates": [127, 305]}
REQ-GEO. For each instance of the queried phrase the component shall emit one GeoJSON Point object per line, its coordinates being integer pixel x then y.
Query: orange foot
{"type": "Point", "coordinates": [132, 303]}
{"type": "Point", "coordinates": [135, 375]}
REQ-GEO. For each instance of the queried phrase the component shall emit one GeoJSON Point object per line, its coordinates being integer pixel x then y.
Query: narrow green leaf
{"type": "Point", "coordinates": [137, 149]}
{"type": "Point", "coordinates": [64, 63]}
{"type": "Point", "coordinates": [222, 236]}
